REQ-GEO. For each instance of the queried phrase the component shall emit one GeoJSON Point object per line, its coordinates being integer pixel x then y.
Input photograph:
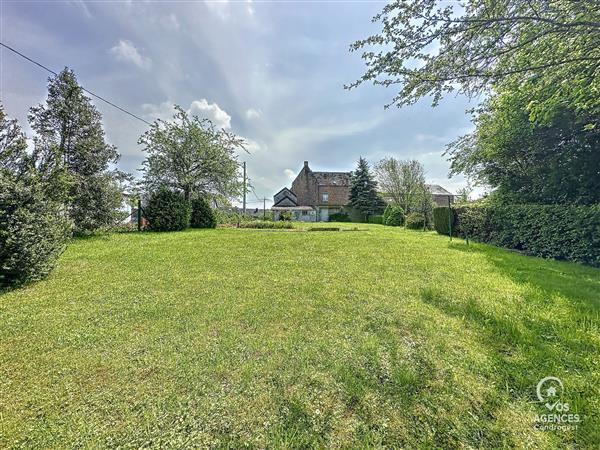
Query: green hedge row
{"type": "Point", "coordinates": [550, 231]}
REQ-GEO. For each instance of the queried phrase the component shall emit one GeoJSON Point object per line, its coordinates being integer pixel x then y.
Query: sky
{"type": "Point", "coordinates": [271, 72]}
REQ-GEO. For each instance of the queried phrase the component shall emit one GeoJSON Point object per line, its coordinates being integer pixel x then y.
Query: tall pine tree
{"type": "Point", "coordinates": [363, 191]}
{"type": "Point", "coordinates": [69, 133]}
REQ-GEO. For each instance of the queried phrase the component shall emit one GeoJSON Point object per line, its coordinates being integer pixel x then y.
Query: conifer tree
{"type": "Point", "coordinates": [363, 191]}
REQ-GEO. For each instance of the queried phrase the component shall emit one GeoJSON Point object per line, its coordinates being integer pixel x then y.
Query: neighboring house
{"type": "Point", "coordinates": [439, 195]}
{"type": "Point", "coordinates": [314, 196]}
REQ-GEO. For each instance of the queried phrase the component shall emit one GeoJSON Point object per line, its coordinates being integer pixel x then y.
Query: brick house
{"type": "Point", "coordinates": [314, 196]}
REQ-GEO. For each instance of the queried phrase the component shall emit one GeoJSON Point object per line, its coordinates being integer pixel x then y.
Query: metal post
{"type": "Point", "coordinates": [450, 218]}
{"type": "Point", "coordinates": [244, 205]}
{"type": "Point", "coordinates": [139, 214]}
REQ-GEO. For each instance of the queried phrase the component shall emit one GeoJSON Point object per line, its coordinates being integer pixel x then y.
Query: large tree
{"type": "Point", "coordinates": [432, 47]}
{"type": "Point", "coordinates": [363, 190]}
{"type": "Point", "coordinates": [530, 161]}
{"type": "Point", "coordinates": [403, 181]}
{"type": "Point", "coordinates": [192, 156]}
{"type": "Point", "coordinates": [69, 135]}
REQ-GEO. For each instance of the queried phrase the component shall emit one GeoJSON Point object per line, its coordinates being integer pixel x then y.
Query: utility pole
{"type": "Point", "coordinates": [244, 207]}
{"type": "Point", "coordinates": [264, 208]}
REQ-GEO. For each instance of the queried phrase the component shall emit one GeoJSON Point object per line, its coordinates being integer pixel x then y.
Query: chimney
{"type": "Point", "coordinates": [306, 165]}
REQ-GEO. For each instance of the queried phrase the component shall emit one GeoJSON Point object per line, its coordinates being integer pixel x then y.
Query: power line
{"type": "Point", "coordinates": [84, 89]}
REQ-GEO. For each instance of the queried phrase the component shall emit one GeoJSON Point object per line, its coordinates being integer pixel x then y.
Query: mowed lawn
{"type": "Point", "coordinates": [292, 339]}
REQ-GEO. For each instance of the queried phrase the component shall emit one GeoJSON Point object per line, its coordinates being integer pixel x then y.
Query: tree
{"type": "Point", "coordinates": [168, 210]}
{"type": "Point", "coordinates": [69, 137]}
{"type": "Point", "coordinates": [402, 180]}
{"type": "Point", "coordinates": [363, 191]}
{"type": "Point", "coordinates": [432, 47]}
{"type": "Point", "coordinates": [190, 155]}
{"type": "Point", "coordinates": [530, 161]}
{"type": "Point", "coordinates": [33, 227]}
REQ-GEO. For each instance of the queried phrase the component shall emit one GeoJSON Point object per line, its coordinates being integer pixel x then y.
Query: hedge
{"type": "Point", "coordinates": [203, 215]}
{"type": "Point", "coordinates": [168, 211]}
{"type": "Point", "coordinates": [376, 219]}
{"type": "Point", "coordinates": [33, 232]}
{"type": "Point", "coordinates": [339, 217]}
{"type": "Point", "coordinates": [442, 216]}
{"type": "Point", "coordinates": [550, 231]}
{"type": "Point", "coordinates": [265, 224]}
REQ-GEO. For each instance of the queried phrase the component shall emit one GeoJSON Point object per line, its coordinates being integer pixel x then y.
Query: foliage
{"type": "Point", "coordinates": [527, 161]}
{"type": "Point", "coordinates": [395, 217]}
{"type": "Point", "coordinates": [415, 221]}
{"type": "Point", "coordinates": [33, 227]}
{"type": "Point", "coordinates": [202, 214]}
{"type": "Point", "coordinates": [377, 218]}
{"type": "Point", "coordinates": [443, 218]}
{"type": "Point", "coordinates": [70, 149]}
{"type": "Point", "coordinates": [191, 155]}
{"type": "Point", "coordinates": [339, 217]}
{"type": "Point", "coordinates": [363, 191]}
{"type": "Point", "coordinates": [550, 231]}
{"type": "Point", "coordinates": [219, 332]}
{"type": "Point", "coordinates": [430, 48]}
{"type": "Point", "coordinates": [403, 181]}
{"type": "Point", "coordinates": [386, 213]}
{"type": "Point", "coordinates": [266, 224]}
{"type": "Point", "coordinates": [33, 231]}
{"type": "Point", "coordinates": [285, 216]}
{"type": "Point", "coordinates": [167, 210]}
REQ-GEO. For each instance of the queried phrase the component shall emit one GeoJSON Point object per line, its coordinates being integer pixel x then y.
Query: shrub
{"type": "Point", "coordinates": [33, 232]}
{"type": "Point", "coordinates": [395, 217]}
{"type": "Point", "coordinates": [550, 231]}
{"type": "Point", "coordinates": [168, 211]}
{"type": "Point", "coordinates": [339, 217]}
{"type": "Point", "coordinates": [386, 213]}
{"type": "Point", "coordinates": [202, 214]}
{"type": "Point", "coordinates": [285, 216]}
{"type": "Point", "coordinates": [265, 224]}
{"type": "Point", "coordinates": [376, 219]}
{"type": "Point", "coordinates": [415, 221]}
{"type": "Point", "coordinates": [443, 217]}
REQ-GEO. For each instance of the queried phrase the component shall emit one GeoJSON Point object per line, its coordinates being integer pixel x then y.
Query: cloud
{"type": "Point", "coordinates": [253, 113]}
{"type": "Point", "coordinates": [127, 52]}
{"type": "Point", "coordinates": [211, 111]}
{"type": "Point", "coordinates": [200, 108]}
{"type": "Point", "coordinates": [290, 174]}
{"type": "Point", "coordinates": [170, 22]}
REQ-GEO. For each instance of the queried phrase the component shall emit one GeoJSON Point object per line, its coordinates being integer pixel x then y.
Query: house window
{"type": "Point", "coordinates": [325, 197]}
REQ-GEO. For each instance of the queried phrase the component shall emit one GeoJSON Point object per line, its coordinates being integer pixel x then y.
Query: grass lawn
{"type": "Point", "coordinates": [262, 338]}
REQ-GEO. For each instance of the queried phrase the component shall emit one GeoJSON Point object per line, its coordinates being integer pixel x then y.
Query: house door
{"type": "Point", "coordinates": [324, 214]}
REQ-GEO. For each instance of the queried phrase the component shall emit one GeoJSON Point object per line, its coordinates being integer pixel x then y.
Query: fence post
{"type": "Point", "coordinates": [450, 218]}
{"type": "Point", "coordinates": [139, 214]}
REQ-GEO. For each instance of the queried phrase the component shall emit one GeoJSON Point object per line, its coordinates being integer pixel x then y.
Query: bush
{"type": "Point", "coordinates": [285, 216]}
{"type": "Point", "coordinates": [376, 219]}
{"type": "Point", "coordinates": [443, 217]}
{"type": "Point", "coordinates": [168, 211]}
{"type": "Point", "coordinates": [339, 217]}
{"type": "Point", "coordinates": [415, 221]}
{"type": "Point", "coordinates": [386, 213]}
{"type": "Point", "coordinates": [202, 214]}
{"type": "Point", "coordinates": [33, 232]}
{"type": "Point", "coordinates": [265, 224]}
{"type": "Point", "coordinates": [395, 217]}
{"type": "Point", "coordinates": [550, 231]}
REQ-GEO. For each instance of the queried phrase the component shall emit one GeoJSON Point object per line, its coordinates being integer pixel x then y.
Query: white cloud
{"type": "Point", "coordinates": [170, 22]}
{"type": "Point", "coordinates": [290, 174]}
{"type": "Point", "coordinates": [127, 52]}
{"type": "Point", "coordinates": [253, 113]}
{"type": "Point", "coordinates": [211, 111]}
{"type": "Point", "coordinates": [220, 7]}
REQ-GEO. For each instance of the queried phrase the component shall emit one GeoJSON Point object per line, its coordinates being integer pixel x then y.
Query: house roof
{"type": "Point", "coordinates": [332, 178]}
{"type": "Point", "coordinates": [292, 208]}
{"type": "Point", "coordinates": [436, 189]}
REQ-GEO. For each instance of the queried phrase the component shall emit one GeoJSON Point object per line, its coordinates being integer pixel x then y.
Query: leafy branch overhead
{"type": "Point", "coordinates": [433, 47]}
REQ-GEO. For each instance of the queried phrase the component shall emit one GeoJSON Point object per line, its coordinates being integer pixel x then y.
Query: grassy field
{"type": "Point", "coordinates": [229, 338]}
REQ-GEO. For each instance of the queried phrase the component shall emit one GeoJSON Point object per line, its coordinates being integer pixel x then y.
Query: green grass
{"type": "Point", "coordinates": [282, 338]}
